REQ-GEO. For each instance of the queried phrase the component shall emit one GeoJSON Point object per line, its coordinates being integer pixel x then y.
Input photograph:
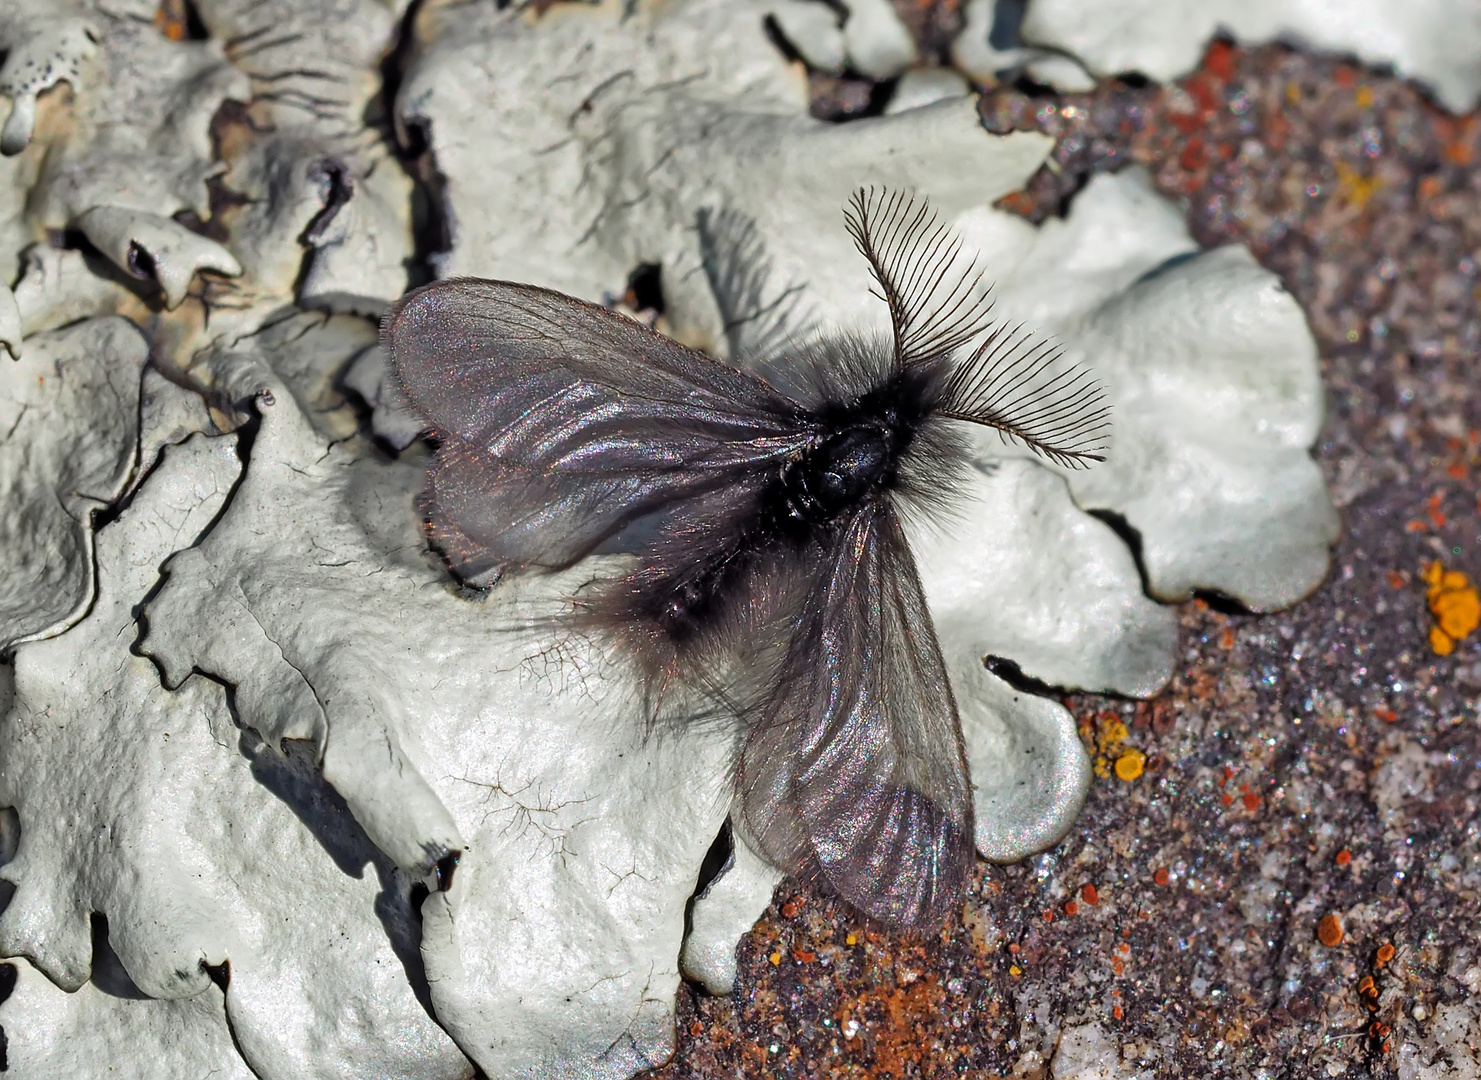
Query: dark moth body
{"type": "Point", "coordinates": [853, 457]}
{"type": "Point", "coordinates": [769, 567]}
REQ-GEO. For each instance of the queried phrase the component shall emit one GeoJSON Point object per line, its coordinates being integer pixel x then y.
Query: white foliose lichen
{"type": "Point", "coordinates": [269, 686]}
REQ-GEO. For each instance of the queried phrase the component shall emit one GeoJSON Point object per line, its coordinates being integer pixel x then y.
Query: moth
{"type": "Point", "coordinates": [761, 508]}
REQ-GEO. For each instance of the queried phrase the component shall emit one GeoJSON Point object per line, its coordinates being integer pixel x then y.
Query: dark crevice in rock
{"type": "Point", "coordinates": [1007, 21]}
{"type": "Point", "coordinates": [141, 262]}
{"type": "Point", "coordinates": [838, 98]}
{"type": "Point", "coordinates": [143, 286]}
{"type": "Point", "coordinates": [1131, 536]}
{"type": "Point", "coordinates": [411, 143]}
{"type": "Point", "coordinates": [108, 973]}
{"type": "Point", "coordinates": [773, 32]}
{"type": "Point", "coordinates": [445, 868]}
{"type": "Point", "coordinates": [9, 830]}
{"type": "Point", "coordinates": [1223, 603]}
{"type": "Point", "coordinates": [717, 861]}
{"type": "Point", "coordinates": [1012, 674]}
{"type": "Point", "coordinates": [645, 289]}
{"type": "Point", "coordinates": [336, 187]}
{"type": "Point", "coordinates": [7, 987]}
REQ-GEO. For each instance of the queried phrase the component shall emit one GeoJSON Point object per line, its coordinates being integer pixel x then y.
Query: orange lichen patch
{"type": "Point", "coordinates": [804, 956]}
{"type": "Point", "coordinates": [1226, 799]}
{"type": "Point", "coordinates": [1129, 765]}
{"type": "Point", "coordinates": [1384, 955]}
{"type": "Point", "coordinates": [1017, 202]}
{"type": "Point", "coordinates": [1194, 155]}
{"type": "Point", "coordinates": [1458, 148]}
{"type": "Point", "coordinates": [1329, 931]}
{"type": "Point", "coordinates": [1048, 915]}
{"type": "Point", "coordinates": [170, 20]}
{"type": "Point", "coordinates": [1071, 908]}
{"type": "Point", "coordinates": [1277, 127]}
{"type": "Point", "coordinates": [1205, 93]}
{"type": "Point", "coordinates": [1344, 857]}
{"type": "Point", "coordinates": [1455, 605]}
{"type": "Point", "coordinates": [1185, 122]}
{"type": "Point", "coordinates": [1218, 60]}
{"type": "Point", "coordinates": [1251, 801]}
{"type": "Point", "coordinates": [1388, 716]}
{"type": "Point", "coordinates": [1455, 470]}
{"type": "Point", "coordinates": [1117, 967]}
{"type": "Point", "coordinates": [898, 1018]}
{"type": "Point", "coordinates": [1090, 894]}
{"type": "Point", "coordinates": [1432, 509]}
{"type": "Point", "coordinates": [1226, 639]}
{"type": "Point", "coordinates": [1414, 525]}
{"type": "Point", "coordinates": [1117, 1012]}
{"type": "Point", "coordinates": [1160, 876]}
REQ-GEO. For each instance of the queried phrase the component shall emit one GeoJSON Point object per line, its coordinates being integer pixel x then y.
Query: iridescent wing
{"type": "Point", "coordinates": [560, 423]}
{"type": "Point", "coordinates": [854, 771]}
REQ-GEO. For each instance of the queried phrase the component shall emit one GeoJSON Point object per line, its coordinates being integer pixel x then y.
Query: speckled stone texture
{"type": "Point", "coordinates": [1320, 761]}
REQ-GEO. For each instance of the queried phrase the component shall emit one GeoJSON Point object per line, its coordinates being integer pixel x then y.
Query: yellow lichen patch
{"type": "Point", "coordinates": [1106, 736]}
{"type": "Point", "coordinates": [1353, 188]}
{"type": "Point", "coordinates": [1129, 765]}
{"type": "Point", "coordinates": [1455, 605]}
